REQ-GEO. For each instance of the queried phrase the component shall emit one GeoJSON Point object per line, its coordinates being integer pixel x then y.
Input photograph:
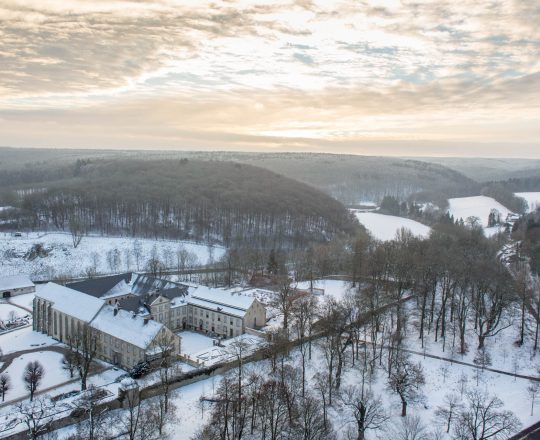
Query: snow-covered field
{"type": "Point", "coordinates": [193, 342]}
{"type": "Point", "coordinates": [24, 339]}
{"type": "Point", "coordinates": [332, 288]}
{"type": "Point", "coordinates": [477, 206]}
{"type": "Point", "coordinates": [64, 259]}
{"type": "Point", "coordinates": [7, 309]}
{"type": "Point", "coordinates": [532, 199]}
{"type": "Point", "coordinates": [52, 376]}
{"type": "Point", "coordinates": [25, 300]}
{"type": "Point", "coordinates": [384, 227]}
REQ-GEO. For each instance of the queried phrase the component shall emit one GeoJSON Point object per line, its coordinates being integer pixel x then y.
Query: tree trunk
{"type": "Point", "coordinates": [403, 407]}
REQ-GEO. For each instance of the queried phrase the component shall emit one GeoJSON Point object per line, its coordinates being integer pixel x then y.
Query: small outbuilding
{"type": "Point", "coordinates": [15, 285]}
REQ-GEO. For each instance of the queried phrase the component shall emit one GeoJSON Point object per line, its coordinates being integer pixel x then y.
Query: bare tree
{"type": "Point", "coordinates": [83, 346]}
{"type": "Point", "coordinates": [127, 258]}
{"type": "Point", "coordinates": [409, 428]}
{"type": "Point", "coordinates": [491, 301]}
{"type": "Point", "coordinates": [283, 298]}
{"type": "Point", "coordinates": [69, 363]}
{"type": "Point", "coordinates": [5, 384]}
{"type": "Point", "coordinates": [532, 390]}
{"type": "Point", "coordinates": [303, 311]}
{"type": "Point", "coordinates": [165, 345]}
{"type": "Point", "coordinates": [448, 412]}
{"type": "Point", "coordinates": [96, 426]}
{"type": "Point", "coordinates": [137, 253]}
{"type": "Point", "coordinates": [406, 379]}
{"type": "Point", "coordinates": [322, 387]}
{"type": "Point", "coordinates": [366, 410]}
{"type": "Point", "coordinates": [12, 316]}
{"type": "Point", "coordinates": [77, 230]}
{"type": "Point", "coordinates": [483, 419]}
{"type": "Point", "coordinates": [139, 421]}
{"type": "Point", "coordinates": [155, 266]}
{"type": "Point", "coordinates": [32, 376]}
{"type": "Point", "coordinates": [36, 416]}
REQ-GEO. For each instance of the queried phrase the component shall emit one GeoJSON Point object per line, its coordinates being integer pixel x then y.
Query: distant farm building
{"type": "Point", "coordinates": [15, 285]}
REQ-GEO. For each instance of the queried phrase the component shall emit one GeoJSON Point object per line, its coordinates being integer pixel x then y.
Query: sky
{"type": "Point", "coordinates": [378, 77]}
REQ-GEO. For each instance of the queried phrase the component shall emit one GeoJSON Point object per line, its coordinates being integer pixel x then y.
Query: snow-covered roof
{"type": "Point", "coordinates": [229, 302]}
{"type": "Point", "coordinates": [15, 282]}
{"type": "Point", "coordinates": [122, 288]}
{"type": "Point", "coordinates": [126, 326]}
{"type": "Point", "coordinates": [69, 301]}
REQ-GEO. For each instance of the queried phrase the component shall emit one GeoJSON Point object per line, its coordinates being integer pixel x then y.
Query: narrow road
{"type": "Point", "coordinates": [454, 361]}
{"type": "Point", "coordinates": [20, 307]}
{"type": "Point", "coordinates": [8, 358]}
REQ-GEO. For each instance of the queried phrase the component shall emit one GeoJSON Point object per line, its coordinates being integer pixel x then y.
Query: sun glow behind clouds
{"type": "Point", "coordinates": [257, 74]}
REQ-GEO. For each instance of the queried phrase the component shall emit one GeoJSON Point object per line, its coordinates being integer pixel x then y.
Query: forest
{"type": "Point", "coordinates": [214, 202]}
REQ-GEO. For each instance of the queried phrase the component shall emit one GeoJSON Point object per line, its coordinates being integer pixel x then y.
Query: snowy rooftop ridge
{"type": "Point", "coordinates": [15, 282]}
{"type": "Point", "coordinates": [70, 301]}
{"type": "Point", "coordinates": [221, 297]}
{"type": "Point", "coordinates": [126, 326]}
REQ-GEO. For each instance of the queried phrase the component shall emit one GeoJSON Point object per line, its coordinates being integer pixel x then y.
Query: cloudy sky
{"type": "Point", "coordinates": [365, 76]}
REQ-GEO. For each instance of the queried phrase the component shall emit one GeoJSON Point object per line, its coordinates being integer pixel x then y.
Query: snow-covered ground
{"type": "Point", "coordinates": [384, 227]}
{"type": "Point", "coordinates": [53, 373]}
{"type": "Point", "coordinates": [513, 393]}
{"type": "Point", "coordinates": [26, 300]}
{"type": "Point", "coordinates": [477, 206]}
{"type": "Point", "coordinates": [64, 259]}
{"type": "Point", "coordinates": [24, 339]}
{"type": "Point", "coordinates": [200, 348]}
{"type": "Point", "coordinates": [332, 288]}
{"type": "Point", "coordinates": [532, 199]}
{"type": "Point", "coordinates": [190, 415]}
{"type": "Point", "coordinates": [7, 309]}
{"type": "Point", "coordinates": [193, 342]}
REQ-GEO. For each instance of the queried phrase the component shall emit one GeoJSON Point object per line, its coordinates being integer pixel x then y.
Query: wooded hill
{"type": "Point", "coordinates": [349, 178]}
{"type": "Point", "coordinates": [222, 202]}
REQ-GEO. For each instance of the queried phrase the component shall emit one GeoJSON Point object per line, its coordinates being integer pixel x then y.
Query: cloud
{"type": "Point", "coordinates": [310, 73]}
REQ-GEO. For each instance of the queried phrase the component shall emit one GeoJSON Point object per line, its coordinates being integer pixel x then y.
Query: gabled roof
{"type": "Point", "coordinates": [133, 304]}
{"type": "Point", "coordinates": [126, 283]}
{"type": "Point", "coordinates": [143, 284]}
{"type": "Point", "coordinates": [15, 282]}
{"type": "Point", "coordinates": [127, 326]}
{"type": "Point", "coordinates": [69, 301]}
{"type": "Point", "coordinates": [222, 297]}
{"type": "Point", "coordinates": [220, 300]}
{"type": "Point", "coordinates": [100, 287]}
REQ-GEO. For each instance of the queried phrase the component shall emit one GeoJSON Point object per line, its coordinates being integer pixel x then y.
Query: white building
{"type": "Point", "coordinates": [125, 339]}
{"type": "Point", "coordinates": [216, 311]}
{"type": "Point", "coordinates": [178, 306]}
{"type": "Point", "coordinates": [15, 285]}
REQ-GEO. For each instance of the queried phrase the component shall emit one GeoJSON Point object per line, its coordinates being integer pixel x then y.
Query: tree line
{"type": "Point", "coordinates": [204, 201]}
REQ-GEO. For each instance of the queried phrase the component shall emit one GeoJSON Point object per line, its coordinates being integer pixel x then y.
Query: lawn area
{"type": "Point", "coordinates": [24, 339]}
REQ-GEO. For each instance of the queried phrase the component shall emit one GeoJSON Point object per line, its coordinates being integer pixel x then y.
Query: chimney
{"type": "Point", "coordinates": [145, 321]}
{"type": "Point", "coordinates": [115, 311]}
